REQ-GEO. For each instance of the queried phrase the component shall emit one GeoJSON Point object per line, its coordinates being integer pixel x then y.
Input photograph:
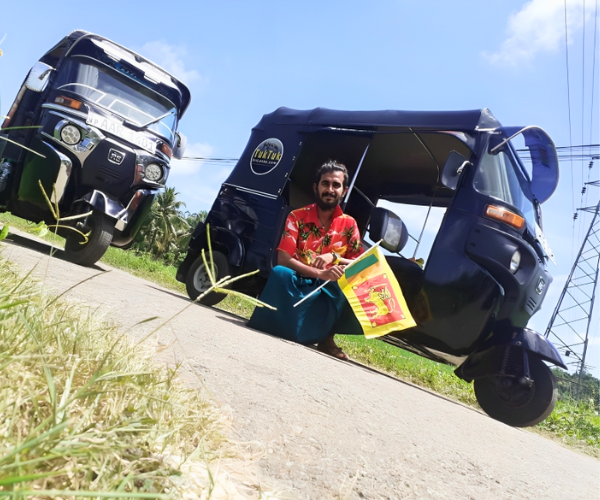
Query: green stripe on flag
{"type": "Point", "coordinates": [361, 265]}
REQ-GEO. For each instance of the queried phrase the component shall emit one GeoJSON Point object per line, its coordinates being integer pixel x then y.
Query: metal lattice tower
{"type": "Point", "coordinates": [570, 325]}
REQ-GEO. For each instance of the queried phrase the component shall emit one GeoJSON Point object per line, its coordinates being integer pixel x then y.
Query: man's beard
{"type": "Point", "coordinates": [327, 205]}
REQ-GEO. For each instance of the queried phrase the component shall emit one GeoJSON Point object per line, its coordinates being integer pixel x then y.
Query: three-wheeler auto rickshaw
{"type": "Point", "coordinates": [485, 275]}
{"type": "Point", "coordinates": [98, 123]}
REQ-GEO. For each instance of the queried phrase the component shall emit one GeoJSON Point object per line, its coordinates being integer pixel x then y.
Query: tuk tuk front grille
{"type": "Point", "coordinates": [531, 304]}
{"type": "Point", "coordinates": [109, 172]}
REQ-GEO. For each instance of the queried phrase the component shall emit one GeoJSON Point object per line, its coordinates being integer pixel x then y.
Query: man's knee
{"type": "Point", "coordinates": [282, 272]}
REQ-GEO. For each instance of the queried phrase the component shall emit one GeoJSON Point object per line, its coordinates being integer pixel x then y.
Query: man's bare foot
{"type": "Point", "coordinates": [328, 346]}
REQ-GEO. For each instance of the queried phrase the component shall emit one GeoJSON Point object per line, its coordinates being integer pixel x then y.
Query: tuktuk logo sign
{"type": "Point", "coordinates": [266, 156]}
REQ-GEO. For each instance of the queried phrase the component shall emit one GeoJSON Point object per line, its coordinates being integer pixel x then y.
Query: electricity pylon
{"type": "Point", "coordinates": [571, 320]}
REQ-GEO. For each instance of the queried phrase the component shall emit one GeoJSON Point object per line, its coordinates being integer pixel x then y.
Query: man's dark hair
{"type": "Point", "coordinates": [331, 166]}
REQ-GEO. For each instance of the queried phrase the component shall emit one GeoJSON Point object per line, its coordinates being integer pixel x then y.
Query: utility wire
{"type": "Point", "coordinates": [570, 126]}
{"type": "Point", "coordinates": [569, 108]}
{"type": "Point", "coordinates": [583, 89]}
{"type": "Point", "coordinates": [593, 70]}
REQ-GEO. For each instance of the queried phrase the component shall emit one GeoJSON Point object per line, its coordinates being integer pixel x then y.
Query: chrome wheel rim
{"type": "Point", "coordinates": [201, 280]}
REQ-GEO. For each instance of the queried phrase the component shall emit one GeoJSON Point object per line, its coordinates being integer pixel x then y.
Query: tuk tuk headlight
{"type": "Point", "coordinates": [515, 262]}
{"type": "Point", "coordinates": [153, 172]}
{"type": "Point", "coordinates": [70, 135]}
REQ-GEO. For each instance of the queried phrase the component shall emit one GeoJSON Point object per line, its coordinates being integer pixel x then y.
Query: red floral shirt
{"type": "Point", "coordinates": [304, 236]}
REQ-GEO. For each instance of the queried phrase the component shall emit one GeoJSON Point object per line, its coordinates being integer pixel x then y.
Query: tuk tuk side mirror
{"type": "Point", "coordinates": [455, 163]}
{"type": "Point", "coordinates": [38, 77]}
{"type": "Point", "coordinates": [180, 144]}
{"type": "Point", "coordinates": [388, 227]}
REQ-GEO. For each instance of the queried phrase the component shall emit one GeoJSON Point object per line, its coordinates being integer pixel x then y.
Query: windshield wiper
{"type": "Point", "coordinates": [135, 126]}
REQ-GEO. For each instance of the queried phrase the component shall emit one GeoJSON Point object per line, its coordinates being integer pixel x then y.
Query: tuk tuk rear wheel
{"type": "Point", "coordinates": [101, 228]}
{"type": "Point", "coordinates": [197, 281]}
{"type": "Point", "coordinates": [509, 401]}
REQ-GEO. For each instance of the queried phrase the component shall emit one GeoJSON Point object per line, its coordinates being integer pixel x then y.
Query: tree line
{"type": "Point", "coordinates": [166, 233]}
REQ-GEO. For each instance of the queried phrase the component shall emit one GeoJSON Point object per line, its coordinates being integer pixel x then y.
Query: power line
{"type": "Point", "coordinates": [569, 106]}
{"type": "Point", "coordinates": [572, 153]}
{"type": "Point", "coordinates": [593, 70]}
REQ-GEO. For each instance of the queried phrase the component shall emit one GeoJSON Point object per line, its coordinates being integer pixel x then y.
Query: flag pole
{"type": "Point", "coordinates": [322, 285]}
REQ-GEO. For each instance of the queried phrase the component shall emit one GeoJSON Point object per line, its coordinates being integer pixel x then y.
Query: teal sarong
{"type": "Point", "coordinates": [310, 322]}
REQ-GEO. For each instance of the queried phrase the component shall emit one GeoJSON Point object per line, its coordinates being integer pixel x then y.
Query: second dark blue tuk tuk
{"type": "Point", "coordinates": [91, 131]}
{"type": "Point", "coordinates": [486, 273]}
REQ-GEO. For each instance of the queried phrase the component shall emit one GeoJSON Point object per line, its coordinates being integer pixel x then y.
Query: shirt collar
{"type": "Point", "coordinates": [313, 215]}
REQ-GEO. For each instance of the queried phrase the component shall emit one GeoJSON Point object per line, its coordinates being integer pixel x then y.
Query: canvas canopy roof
{"type": "Point", "coordinates": [433, 120]}
{"type": "Point", "coordinates": [399, 155]}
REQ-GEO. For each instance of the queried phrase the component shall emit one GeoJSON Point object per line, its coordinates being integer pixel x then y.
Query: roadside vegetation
{"type": "Point", "coordinates": [155, 257]}
{"type": "Point", "coordinates": [84, 412]}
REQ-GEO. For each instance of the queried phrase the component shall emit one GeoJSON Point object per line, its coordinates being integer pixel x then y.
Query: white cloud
{"type": "Point", "coordinates": [170, 57]}
{"type": "Point", "coordinates": [539, 26]}
{"type": "Point", "coordinates": [198, 181]}
{"type": "Point", "coordinates": [191, 166]}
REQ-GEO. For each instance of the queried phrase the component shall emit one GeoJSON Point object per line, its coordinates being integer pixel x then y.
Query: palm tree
{"type": "Point", "coordinates": [167, 223]}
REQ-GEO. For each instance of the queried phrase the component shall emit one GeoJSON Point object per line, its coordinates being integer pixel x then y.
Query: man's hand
{"type": "Point", "coordinates": [322, 261]}
{"type": "Point", "coordinates": [334, 273]}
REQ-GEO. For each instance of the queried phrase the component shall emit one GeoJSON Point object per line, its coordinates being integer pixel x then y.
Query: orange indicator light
{"type": "Point", "coordinates": [504, 215]}
{"type": "Point", "coordinates": [166, 150]}
{"type": "Point", "coordinates": [67, 101]}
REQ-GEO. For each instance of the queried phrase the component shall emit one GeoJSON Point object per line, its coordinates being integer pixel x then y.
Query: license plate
{"type": "Point", "coordinates": [117, 129]}
{"type": "Point", "coordinates": [539, 235]}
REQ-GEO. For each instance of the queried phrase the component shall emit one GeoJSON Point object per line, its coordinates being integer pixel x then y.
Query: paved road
{"type": "Point", "coordinates": [329, 429]}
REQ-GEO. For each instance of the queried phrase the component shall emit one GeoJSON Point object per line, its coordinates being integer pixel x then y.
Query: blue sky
{"type": "Point", "coordinates": [242, 59]}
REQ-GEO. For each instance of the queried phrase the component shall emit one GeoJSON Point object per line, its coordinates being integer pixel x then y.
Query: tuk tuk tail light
{"type": "Point", "coordinates": [504, 215]}
{"type": "Point", "coordinates": [515, 262]}
{"type": "Point", "coordinates": [67, 101]}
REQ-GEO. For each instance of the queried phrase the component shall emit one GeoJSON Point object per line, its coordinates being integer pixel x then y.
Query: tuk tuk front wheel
{"type": "Point", "coordinates": [100, 228]}
{"type": "Point", "coordinates": [197, 281]}
{"type": "Point", "coordinates": [510, 401]}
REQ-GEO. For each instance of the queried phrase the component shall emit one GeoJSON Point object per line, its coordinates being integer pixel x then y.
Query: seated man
{"type": "Point", "coordinates": [318, 241]}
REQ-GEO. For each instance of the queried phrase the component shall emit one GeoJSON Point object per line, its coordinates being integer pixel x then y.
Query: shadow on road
{"type": "Point", "coordinates": [39, 246]}
{"type": "Point", "coordinates": [170, 292]}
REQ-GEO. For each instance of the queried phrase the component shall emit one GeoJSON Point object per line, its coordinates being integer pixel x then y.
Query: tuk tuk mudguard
{"type": "Point", "coordinates": [491, 358]}
{"type": "Point", "coordinates": [135, 219]}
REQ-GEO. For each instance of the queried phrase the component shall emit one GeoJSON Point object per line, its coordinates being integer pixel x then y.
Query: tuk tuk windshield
{"type": "Point", "coordinates": [118, 93]}
{"type": "Point", "coordinates": [499, 177]}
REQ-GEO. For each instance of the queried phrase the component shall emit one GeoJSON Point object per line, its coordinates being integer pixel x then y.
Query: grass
{"type": "Point", "coordinates": [577, 425]}
{"type": "Point", "coordinates": [407, 366]}
{"type": "Point", "coordinates": [83, 411]}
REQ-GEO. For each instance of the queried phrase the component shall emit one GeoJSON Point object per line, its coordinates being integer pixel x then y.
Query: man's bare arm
{"type": "Point", "coordinates": [334, 273]}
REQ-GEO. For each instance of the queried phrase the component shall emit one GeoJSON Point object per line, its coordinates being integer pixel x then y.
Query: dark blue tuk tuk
{"type": "Point", "coordinates": [96, 125]}
{"type": "Point", "coordinates": [486, 273]}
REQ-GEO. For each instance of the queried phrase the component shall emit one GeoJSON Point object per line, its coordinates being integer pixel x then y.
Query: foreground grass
{"type": "Point", "coordinates": [83, 412]}
{"type": "Point", "coordinates": [577, 425]}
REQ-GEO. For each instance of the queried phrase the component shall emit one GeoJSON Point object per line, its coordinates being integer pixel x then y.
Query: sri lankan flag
{"type": "Point", "coordinates": [375, 295]}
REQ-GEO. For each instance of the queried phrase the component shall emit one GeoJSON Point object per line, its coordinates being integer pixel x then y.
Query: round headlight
{"type": "Point", "coordinates": [70, 135]}
{"type": "Point", "coordinates": [515, 262]}
{"type": "Point", "coordinates": [154, 172]}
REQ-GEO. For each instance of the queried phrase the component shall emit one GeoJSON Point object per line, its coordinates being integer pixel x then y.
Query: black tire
{"type": "Point", "coordinates": [87, 254]}
{"type": "Point", "coordinates": [504, 399]}
{"type": "Point", "coordinates": [197, 280]}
